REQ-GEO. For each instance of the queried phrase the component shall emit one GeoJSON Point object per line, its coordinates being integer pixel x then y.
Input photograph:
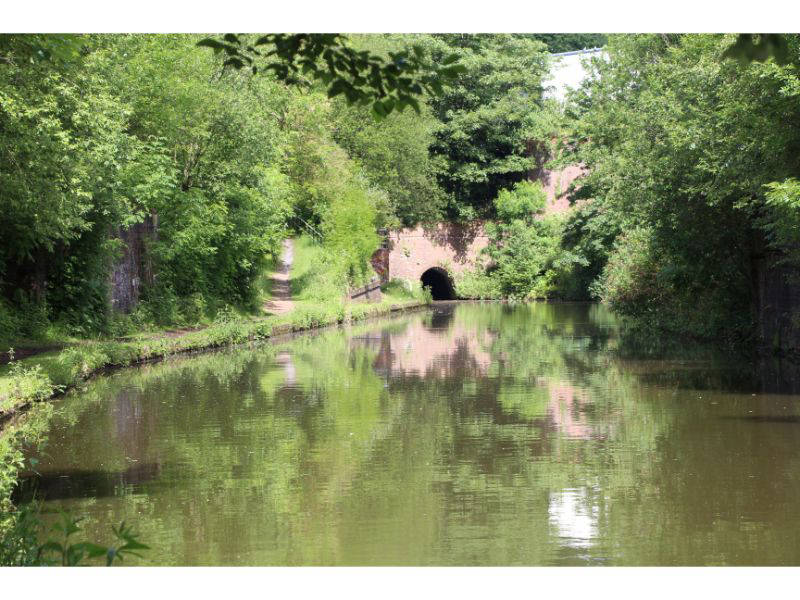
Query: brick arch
{"type": "Point", "coordinates": [409, 252]}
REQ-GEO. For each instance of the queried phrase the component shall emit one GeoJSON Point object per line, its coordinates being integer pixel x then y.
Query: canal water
{"type": "Point", "coordinates": [468, 434]}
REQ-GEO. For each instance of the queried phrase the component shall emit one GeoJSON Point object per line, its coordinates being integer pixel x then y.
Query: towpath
{"type": "Point", "coordinates": [281, 301]}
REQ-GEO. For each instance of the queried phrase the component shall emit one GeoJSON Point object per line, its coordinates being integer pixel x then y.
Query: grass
{"type": "Point", "coordinates": [313, 278]}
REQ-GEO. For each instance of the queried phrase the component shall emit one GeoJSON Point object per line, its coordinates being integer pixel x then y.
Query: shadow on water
{"type": "Point", "coordinates": [77, 483]}
{"type": "Point", "coordinates": [442, 316]}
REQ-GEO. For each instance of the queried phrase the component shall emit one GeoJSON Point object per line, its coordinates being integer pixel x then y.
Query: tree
{"type": "Point", "coordinates": [486, 117]}
{"type": "Point", "coordinates": [361, 77]}
{"type": "Point", "coordinates": [567, 42]}
{"type": "Point", "coordinates": [680, 146]}
{"type": "Point", "coordinates": [523, 244]}
{"type": "Point", "coordinates": [393, 153]}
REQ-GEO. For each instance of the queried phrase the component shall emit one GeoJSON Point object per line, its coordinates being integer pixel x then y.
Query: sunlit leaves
{"type": "Point", "coordinates": [387, 84]}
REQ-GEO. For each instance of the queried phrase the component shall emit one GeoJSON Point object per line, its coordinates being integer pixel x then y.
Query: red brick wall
{"type": "Point", "coordinates": [454, 247]}
{"type": "Point", "coordinates": [556, 184]}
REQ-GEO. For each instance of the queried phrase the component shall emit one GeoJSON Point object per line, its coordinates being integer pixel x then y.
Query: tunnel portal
{"type": "Point", "coordinates": [440, 284]}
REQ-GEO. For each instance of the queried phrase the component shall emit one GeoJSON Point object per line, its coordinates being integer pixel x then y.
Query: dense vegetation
{"type": "Point", "coordinates": [102, 134]}
{"type": "Point", "coordinates": [692, 159]}
{"type": "Point", "coordinates": [107, 134]}
{"type": "Point", "coordinates": [568, 42]}
{"type": "Point", "coordinates": [690, 203]}
{"type": "Point", "coordinates": [114, 132]}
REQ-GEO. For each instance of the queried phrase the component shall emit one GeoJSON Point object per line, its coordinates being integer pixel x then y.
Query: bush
{"type": "Point", "coordinates": [403, 289]}
{"type": "Point", "coordinates": [11, 323]}
{"type": "Point", "coordinates": [647, 283]}
{"type": "Point", "coordinates": [630, 282]}
{"type": "Point", "coordinates": [478, 284]}
{"type": "Point", "coordinates": [522, 202]}
{"type": "Point", "coordinates": [350, 237]}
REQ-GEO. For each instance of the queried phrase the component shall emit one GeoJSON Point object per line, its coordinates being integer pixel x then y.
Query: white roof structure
{"type": "Point", "coordinates": [567, 72]}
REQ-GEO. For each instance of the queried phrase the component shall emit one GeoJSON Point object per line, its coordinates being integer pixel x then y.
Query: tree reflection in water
{"type": "Point", "coordinates": [469, 434]}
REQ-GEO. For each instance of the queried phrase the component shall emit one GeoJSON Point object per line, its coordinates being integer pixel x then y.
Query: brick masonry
{"type": "Point", "coordinates": [450, 246]}
{"type": "Point", "coordinates": [409, 252]}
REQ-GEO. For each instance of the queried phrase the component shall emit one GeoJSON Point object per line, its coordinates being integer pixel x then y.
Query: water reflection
{"type": "Point", "coordinates": [469, 434]}
{"type": "Point", "coordinates": [574, 517]}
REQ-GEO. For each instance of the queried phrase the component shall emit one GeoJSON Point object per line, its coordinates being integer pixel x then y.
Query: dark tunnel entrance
{"type": "Point", "coordinates": [439, 283]}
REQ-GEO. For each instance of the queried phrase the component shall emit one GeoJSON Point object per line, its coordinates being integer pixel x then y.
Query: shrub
{"type": "Point", "coordinates": [350, 237]}
{"type": "Point", "coordinates": [522, 202]}
{"type": "Point", "coordinates": [630, 282]}
{"type": "Point", "coordinates": [478, 284]}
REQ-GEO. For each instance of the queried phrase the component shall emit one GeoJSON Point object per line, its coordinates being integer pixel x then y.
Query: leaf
{"type": "Point", "coordinates": [230, 37]}
{"type": "Point", "coordinates": [51, 546]}
{"type": "Point", "coordinates": [94, 550]}
{"type": "Point", "coordinates": [134, 544]}
{"type": "Point", "coordinates": [770, 45]}
{"type": "Point", "coordinates": [450, 59]}
{"type": "Point", "coordinates": [453, 70]}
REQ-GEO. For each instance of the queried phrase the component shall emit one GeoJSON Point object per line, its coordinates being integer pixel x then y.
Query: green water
{"type": "Point", "coordinates": [466, 435]}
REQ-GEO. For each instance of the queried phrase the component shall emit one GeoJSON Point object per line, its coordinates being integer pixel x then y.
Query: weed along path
{"type": "Point", "coordinates": [281, 301]}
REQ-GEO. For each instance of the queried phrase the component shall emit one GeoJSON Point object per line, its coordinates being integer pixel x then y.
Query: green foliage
{"type": "Point", "coordinates": [478, 284]}
{"type": "Point", "coordinates": [25, 382]}
{"type": "Point", "coordinates": [364, 78]}
{"type": "Point", "coordinates": [567, 42]}
{"type": "Point", "coordinates": [67, 554]}
{"type": "Point", "coordinates": [586, 242]}
{"type": "Point", "coordinates": [349, 229]}
{"type": "Point", "coordinates": [781, 221]}
{"type": "Point", "coordinates": [630, 282]}
{"type": "Point", "coordinates": [400, 290]}
{"type": "Point", "coordinates": [393, 153]}
{"type": "Point", "coordinates": [226, 210]}
{"type": "Point", "coordinates": [487, 117]}
{"type": "Point", "coordinates": [761, 47]}
{"type": "Point", "coordinates": [106, 135]}
{"type": "Point", "coordinates": [125, 129]}
{"type": "Point", "coordinates": [64, 141]}
{"type": "Point", "coordinates": [524, 248]}
{"type": "Point", "coordinates": [523, 255]}
{"type": "Point", "coordinates": [680, 145]}
{"type": "Point", "coordinates": [20, 546]}
{"type": "Point", "coordinates": [312, 277]}
{"type": "Point", "coordinates": [523, 202]}
{"type": "Point", "coordinates": [18, 535]}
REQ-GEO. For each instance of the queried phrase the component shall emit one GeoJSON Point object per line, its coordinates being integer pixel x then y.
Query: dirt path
{"type": "Point", "coordinates": [281, 292]}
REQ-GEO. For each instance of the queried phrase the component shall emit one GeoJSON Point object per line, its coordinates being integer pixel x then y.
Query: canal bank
{"type": "Point", "coordinates": [46, 376]}
{"type": "Point", "coordinates": [38, 379]}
